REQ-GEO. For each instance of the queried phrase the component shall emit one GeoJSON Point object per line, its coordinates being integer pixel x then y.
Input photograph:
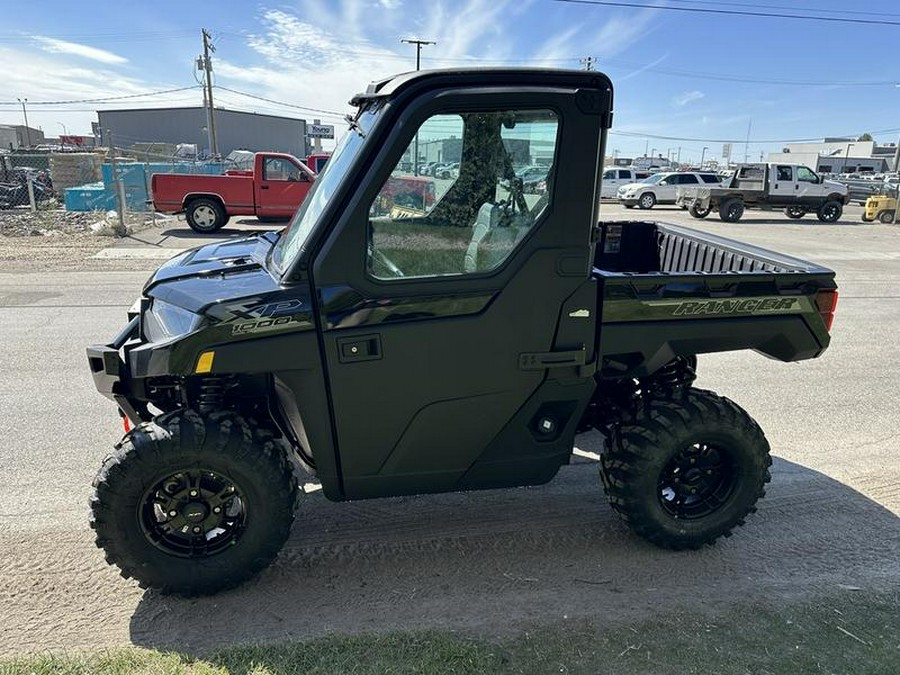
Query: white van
{"type": "Point", "coordinates": [615, 177]}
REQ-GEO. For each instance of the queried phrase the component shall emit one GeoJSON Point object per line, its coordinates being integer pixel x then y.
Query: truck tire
{"type": "Point", "coordinates": [193, 505]}
{"type": "Point", "coordinates": [886, 217]}
{"type": "Point", "coordinates": [731, 210]}
{"type": "Point", "coordinates": [696, 210]}
{"type": "Point", "coordinates": [205, 215]}
{"type": "Point", "coordinates": [683, 473]}
{"type": "Point", "coordinates": [795, 212]}
{"type": "Point", "coordinates": [647, 201]}
{"type": "Point", "coordinates": [830, 211]}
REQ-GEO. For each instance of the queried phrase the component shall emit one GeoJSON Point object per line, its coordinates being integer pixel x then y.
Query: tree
{"type": "Point", "coordinates": [865, 137]}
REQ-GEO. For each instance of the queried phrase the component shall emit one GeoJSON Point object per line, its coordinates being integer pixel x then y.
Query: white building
{"type": "Point", "coordinates": [836, 155]}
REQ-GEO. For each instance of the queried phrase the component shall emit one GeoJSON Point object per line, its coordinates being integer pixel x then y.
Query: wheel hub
{"type": "Point", "coordinates": [193, 513]}
{"type": "Point", "coordinates": [696, 482]}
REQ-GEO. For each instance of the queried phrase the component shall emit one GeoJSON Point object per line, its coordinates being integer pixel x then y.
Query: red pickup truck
{"type": "Point", "coordinates": [273, 190]}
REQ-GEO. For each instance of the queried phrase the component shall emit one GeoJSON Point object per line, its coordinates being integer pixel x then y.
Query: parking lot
{"type": "Point", "coordinates": [484, 562]}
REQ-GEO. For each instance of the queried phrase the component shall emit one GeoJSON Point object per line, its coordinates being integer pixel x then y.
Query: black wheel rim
{"type": "Point", "coordinates": [193, 513]}
{"type": "Point", "coordinates": [830, 213]}
{"type": "Point", "coordinates": [696, 482]}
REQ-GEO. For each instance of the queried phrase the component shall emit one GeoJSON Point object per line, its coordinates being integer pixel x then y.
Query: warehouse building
{"type": "Point", "coordinates": [234, 130]}
{"type": "Point", "coordinates": [839, 155]}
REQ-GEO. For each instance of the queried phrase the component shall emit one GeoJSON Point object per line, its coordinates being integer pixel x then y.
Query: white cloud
{"type": "Point", "coordinates": [55, 46]}
{"type": "Point", "coordinates": [687, 97]}
{"type": "Point", "coordinates": [390, 4]}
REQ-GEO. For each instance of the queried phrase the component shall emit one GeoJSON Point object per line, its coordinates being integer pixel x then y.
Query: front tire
{"type": "Point", "coordinates": [886, 217]}
{"type": "Point", "coordinates": [830, 212]}
{"type": "Point", "coordinates": [685, 472]}
{"type": "Point", "coordinates": [205, 215]}
{"type": "Point", "coordinates": [647, 201]}
{"type": "Point", "coordinates": [193, 505]}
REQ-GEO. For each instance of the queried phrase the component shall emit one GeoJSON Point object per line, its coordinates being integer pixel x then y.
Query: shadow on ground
{"type": "Point", "coordinates": [492, 561]}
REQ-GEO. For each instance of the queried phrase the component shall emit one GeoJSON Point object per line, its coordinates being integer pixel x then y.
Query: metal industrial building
{"type": "Point", "coordinates": [234, 130]}
{"type": "Point", "coordinates": [839, 155]}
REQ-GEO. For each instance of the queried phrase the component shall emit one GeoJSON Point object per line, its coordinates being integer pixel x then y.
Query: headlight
{"type": "Point", "coordinates": [164, 321]}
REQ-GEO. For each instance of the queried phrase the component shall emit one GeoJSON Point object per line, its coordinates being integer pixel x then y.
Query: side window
{"type": "Point", "coordinates": [689, 179]}
{"type": "Point", "coordinates": [806, 175]}
{"type": "Point", "coordinates": [785, 173]}
{"type": "Point", "coordinates": [710, 178]}
{"type": "Point", "coordinates": [277, 168]}
{"type": "Point", "coordinates": [625, 174]}
{"type": "Point", "coordinates": [495, 180]}
{"type": "Point", "coordinates": [611, 175]}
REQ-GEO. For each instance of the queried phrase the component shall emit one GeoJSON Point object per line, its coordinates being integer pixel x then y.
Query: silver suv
{"type": "Point", "coordinates": [661, 188]}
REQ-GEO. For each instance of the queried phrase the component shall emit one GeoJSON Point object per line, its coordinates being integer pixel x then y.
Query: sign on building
{"type": "Point", "coordinates": [320, 130]}
{"type": "Point", "coordinates": [726, 151]}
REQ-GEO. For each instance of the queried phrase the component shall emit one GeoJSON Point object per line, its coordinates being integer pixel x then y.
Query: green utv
{"type": "Point", "coordinates": [395, 347]}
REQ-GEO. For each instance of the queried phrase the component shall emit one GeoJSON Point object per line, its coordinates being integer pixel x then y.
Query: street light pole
{"type": "Point", "coordinates": [23, 101]}
{"type": "Point", "coordinates": [418, 43]}
{"type": "Point", "coordinates": [703, 155]}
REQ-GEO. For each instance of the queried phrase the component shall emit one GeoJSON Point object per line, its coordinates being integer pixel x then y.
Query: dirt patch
{"type": "Point", "coordinates": [490, 563]}
{"type": "Point", "coordinates": [61, 240]}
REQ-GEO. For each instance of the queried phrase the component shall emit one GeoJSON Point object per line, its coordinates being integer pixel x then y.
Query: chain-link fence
{"type": "Point", "coordinates": [26, 181]}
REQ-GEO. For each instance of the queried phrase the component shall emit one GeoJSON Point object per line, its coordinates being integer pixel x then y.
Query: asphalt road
{"type": "Point", "coordinates": [463, 560]}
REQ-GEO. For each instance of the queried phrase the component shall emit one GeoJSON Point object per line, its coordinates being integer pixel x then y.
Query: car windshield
{"type": "Point", "coordinates": [290, 243]}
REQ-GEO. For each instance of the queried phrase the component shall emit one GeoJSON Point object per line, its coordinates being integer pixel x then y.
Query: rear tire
{"type": "Point", "coordinates": [647, 201]}
{"type": "Point", "coordinates": [205, 215]}
{"type": "Point", "coordinates": [886, 217]}
{"type": "Point", "coordinates": [830, 212]}
{"type": "Point", "coordinates": [685, 472]}
{"type": "Point", "coordinates": [795, 212]}
{"type": "Point", "coordinates": [731, 210]}
{"type": "Point", "coordinates": [193, 505]}
{"type": "Point", "coordinates": [698, 211]}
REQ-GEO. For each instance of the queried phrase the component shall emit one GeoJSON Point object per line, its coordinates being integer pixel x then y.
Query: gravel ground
{"type": "Point", "coordinates": [59, 239]}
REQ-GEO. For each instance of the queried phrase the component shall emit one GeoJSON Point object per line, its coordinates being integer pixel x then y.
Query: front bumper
{"type": "Point", "coordinates": [111, 374]}
{"type": "Point", "coordinates": [628, 201]}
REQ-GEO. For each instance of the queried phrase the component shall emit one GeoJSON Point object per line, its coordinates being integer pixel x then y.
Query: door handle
{"type": "Point", "coordinates": [359, 348]}
{"type": "Point", "coordinates": [263, 187]}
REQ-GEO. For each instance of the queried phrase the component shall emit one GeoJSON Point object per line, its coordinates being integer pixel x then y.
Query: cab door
{"type": "Point", "coordinates": [456, 335]}
{"type": "Point", "coordinates": [783, 186]}
{"type": "Point", "coordinates": [281, 187]}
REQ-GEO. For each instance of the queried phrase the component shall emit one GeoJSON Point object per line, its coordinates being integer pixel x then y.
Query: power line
{"type": "Point", "coordinates": [333, 113]}
{"type": "Point", "coordinates": [638, 134]}
{"type": "Point", "coordinates": [106, 99]}
{"type": "Point", "coordinates": [719, 3]}
{"type": "Point", "coordinates": [722, 12]}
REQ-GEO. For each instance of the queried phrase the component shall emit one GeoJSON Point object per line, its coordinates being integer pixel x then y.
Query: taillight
{"type": "Point", "coordinates": [826, 301]}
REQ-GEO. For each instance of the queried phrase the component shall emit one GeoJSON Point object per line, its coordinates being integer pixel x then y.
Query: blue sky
{"type": "Point", "coordinates": [677, 74]}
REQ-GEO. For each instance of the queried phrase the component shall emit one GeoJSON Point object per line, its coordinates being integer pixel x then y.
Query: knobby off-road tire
{"type": "Point", "coordinates": [685, 472]}
{"type": "Point", "coordinates": [193, 505]}
{"type": "Point", "coordinates": [795, 212]}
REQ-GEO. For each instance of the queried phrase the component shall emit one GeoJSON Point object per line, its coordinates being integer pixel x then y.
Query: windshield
{"type": "Point", "coordinates": [297, 232]}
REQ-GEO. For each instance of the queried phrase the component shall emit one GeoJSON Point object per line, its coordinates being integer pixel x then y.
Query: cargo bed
{"type": "Point", "coordinates": [668, 291]}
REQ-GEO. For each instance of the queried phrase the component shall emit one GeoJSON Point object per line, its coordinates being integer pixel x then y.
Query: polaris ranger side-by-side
{"type": "Point", "coordinates": [459, 345]}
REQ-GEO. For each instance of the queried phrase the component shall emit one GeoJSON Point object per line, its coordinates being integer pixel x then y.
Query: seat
{"type": "Point", "coordinates": [497, 231]}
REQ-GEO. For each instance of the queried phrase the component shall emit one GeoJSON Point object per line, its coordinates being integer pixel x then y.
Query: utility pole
{"type": "Point", "coordinates": [119, 188]}
{"type": "Point", "coordinates": [23, 101]}
{"type": "Point", "coordinates": [747, 143]}
{"type": "Point", "coordinates": [210, 110]}
{"type": "Point", "coordinates": [418, 43]}
{"type": "Point", "coordinates": [588, 62]}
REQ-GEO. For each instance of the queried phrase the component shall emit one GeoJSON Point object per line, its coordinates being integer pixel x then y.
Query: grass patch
{"type": "Point", "coordinates": [848, 634]}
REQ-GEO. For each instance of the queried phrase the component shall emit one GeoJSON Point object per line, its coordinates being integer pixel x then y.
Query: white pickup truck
{"type": "Point", "coordinates": [795, 188]}
{"type": "Point", "coordinates": [616, 177]}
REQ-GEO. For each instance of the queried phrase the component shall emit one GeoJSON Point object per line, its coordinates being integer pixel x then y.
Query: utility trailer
{"type": "Point", "coordinates": [460, 345]}
{"type": "Point", "coordinates": [795, 188]}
